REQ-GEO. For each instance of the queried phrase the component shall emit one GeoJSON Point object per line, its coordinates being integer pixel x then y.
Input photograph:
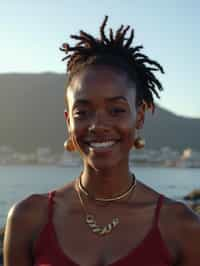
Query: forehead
{"type": "Point", "coordinates": [100, 83]}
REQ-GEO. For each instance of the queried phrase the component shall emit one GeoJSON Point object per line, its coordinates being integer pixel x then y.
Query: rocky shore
{"type": "Point", "coordinates": [192, 199]}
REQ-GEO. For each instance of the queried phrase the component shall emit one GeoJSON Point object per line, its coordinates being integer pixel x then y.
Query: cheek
{"type": "Point", "coordinates": [73, 125]}
{"type": "Point", "coordinates": [128, 131]}
{"type": "Point", "coordinates": [77, 131]}
{"type": "Point", "coordinates": [76, 138]}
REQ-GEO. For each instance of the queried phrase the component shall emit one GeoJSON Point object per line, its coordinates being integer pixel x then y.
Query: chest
{"type": "Point", "coordinates": [126, 241]}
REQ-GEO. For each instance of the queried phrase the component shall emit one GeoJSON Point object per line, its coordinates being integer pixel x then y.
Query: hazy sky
{"type": "Point", "coordinates": [31, 31]}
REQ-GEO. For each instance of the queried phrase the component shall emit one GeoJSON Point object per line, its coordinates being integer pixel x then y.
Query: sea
{"type": "Point", "coordinates": [18, 182]}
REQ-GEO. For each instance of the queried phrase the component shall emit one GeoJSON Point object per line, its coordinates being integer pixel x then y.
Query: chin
{"type": "Point", "coordinates": [103, 164]}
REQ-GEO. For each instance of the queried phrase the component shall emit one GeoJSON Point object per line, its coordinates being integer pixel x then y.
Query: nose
{"type": "Point", "coordinates": [99, 122]}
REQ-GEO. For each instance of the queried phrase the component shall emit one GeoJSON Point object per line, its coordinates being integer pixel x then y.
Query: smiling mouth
{"type": "Point", "coordinates": [102, 144]}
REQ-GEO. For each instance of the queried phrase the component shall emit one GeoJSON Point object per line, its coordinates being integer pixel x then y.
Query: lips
{"type": "Point", "coordinates": [104, 144]}
{"type": "Point", "coordinates": [101, 146]}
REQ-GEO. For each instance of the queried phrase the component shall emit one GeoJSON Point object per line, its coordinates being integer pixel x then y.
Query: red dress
{"type": "Point", "coordinates": [152, 251]}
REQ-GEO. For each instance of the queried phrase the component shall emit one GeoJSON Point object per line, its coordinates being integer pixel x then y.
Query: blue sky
{"type": "Point", "coordinates": [32, 31]}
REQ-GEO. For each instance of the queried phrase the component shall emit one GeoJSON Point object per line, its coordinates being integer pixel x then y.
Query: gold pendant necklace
{"type": "Point", "coordinates": [90, 218]}
{"type": "Point", "coordinates": [101, 230]}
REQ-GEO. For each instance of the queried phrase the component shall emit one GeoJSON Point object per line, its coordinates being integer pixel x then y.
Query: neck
{"type": "Point", "coordinates": [106, 183]}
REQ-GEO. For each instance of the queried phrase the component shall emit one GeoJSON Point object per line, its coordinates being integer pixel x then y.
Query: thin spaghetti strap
{"type": "Point", "coordinates": [158, 208]}
{"type": "Point", "coordinates": [51, 195]}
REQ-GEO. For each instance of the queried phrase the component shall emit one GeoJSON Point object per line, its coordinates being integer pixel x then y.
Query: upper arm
{"type": "Point", "coordinates": [19, 229]}
{"type": "Point", "coordinates": [189, 235]}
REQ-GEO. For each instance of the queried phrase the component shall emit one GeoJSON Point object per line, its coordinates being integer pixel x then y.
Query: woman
{"type": "Point", "coordinates": [104, 216]}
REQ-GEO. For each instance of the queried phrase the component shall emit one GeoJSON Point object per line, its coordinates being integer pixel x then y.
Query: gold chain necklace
{"type": "Point", "coordinates": [120, 196]}
{"type": "Point", "coordinates": [90, 218]}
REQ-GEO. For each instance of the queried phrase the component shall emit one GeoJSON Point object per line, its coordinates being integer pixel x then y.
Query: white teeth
{"type": "Point", "coordinates": [101, 144]}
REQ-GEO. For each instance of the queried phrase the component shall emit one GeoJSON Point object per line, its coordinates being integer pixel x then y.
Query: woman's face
{"type": "Point", "coordinates": [102, 115]}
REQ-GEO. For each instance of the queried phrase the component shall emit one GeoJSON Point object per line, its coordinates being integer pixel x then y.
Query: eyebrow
{"type": "Point", "coordinates": [81, 101]}
{"type": "Point", "coordinates": [110, 99]}
{"type": "Point", "coordinates": [117, 98]}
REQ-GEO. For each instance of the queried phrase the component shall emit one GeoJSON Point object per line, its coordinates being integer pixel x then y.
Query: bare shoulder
{"type": "Point", "coordinates": [185, 225]}
{"type": "Point", "coordinates": [27, 215]}
{"type": "Point", "coordinates": [178, 211]}
{"type": "Point", "coordinates": [33, 210]}
{"type": "Point", "coordinates": [29, 209]}
{"type": "Point", "coordinates": [23, 220]}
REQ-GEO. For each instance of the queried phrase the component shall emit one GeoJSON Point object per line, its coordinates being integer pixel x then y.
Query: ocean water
{"type": "Point", "coordinates": [17, 182]}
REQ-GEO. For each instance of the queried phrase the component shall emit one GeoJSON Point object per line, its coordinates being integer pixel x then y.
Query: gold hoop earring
{"type": "Point", "coordinates": [69, 145]}
{"type": "Point", "coordinates": [139, 143]}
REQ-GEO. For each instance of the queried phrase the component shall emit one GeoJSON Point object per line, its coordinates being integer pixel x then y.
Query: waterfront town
{"type": "Point", "coordinates": [163, 157]}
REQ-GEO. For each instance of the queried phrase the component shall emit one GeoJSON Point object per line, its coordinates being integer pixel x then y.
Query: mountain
{"type": "Point", "coordinates": [32, 115]}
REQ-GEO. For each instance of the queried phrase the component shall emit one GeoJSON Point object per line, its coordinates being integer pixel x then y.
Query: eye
{"type": "Point", "coordinates": [117, 110]}
{"type": "Point", "coordinates": [81, 113]}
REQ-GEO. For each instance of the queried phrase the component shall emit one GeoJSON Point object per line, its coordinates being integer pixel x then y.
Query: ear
{"type": "Point", "coordinates": [140, 116]}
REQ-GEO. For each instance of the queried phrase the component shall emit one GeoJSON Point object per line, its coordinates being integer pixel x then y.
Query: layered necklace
{"type": "Point", "coordinates": [90, 218]}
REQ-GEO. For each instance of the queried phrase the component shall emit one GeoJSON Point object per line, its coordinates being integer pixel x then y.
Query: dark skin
{"type": "Point", "coordinates": [109, 97]}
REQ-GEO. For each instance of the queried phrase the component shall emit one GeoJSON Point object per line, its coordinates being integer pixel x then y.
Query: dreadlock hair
{"type": "Point", "coordinates": [116, 51]}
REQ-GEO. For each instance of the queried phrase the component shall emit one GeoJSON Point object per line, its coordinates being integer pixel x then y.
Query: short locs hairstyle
{"type": "Point", "coordinates": [116, 51]}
